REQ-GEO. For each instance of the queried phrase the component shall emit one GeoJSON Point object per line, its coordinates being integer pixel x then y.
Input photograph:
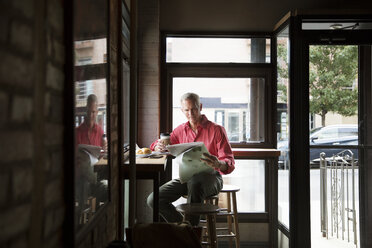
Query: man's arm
{"type": "Point", "coordinates": [157, 145]}
{"type": "Point", "coordinates": [224, 152]}
{"type": "Point", "coordinates": [215, 163]}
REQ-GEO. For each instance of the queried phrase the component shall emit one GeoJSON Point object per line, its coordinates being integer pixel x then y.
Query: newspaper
{"type": "Point", "coordinates": [188, 158]}
{"type": "Point", "coordinates": [93, 152]}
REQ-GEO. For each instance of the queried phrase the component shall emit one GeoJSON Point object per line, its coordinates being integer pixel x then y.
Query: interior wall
{"type": "Point", "coordinates": [148, 92]}
{"type": "Point", "coordinates": [239, 15]}
{"type": "Point", "coordinates": [148, 72]}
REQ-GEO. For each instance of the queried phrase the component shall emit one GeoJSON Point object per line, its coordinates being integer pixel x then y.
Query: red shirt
{"type": "Point", "coordinates": [95, 137]}
{"type": "Point", "coordinates": [211, 134]}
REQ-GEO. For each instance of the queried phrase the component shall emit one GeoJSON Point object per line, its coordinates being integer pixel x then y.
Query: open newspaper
{"type": "Point", "coordinates": [188, 158]}
{"type": "Point", "coordinates": [93, 152]}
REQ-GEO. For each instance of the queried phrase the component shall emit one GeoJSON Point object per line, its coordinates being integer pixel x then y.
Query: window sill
{"type": "Point", "coordinates": [252, 153]}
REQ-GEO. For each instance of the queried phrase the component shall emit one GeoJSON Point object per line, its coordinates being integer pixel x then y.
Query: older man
{"type": "Point", "coordinates": [197, 129]}
{"type": "Point", "coordinates": [89, 132]}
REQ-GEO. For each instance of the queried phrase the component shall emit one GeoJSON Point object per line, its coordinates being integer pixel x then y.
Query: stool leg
{"type": "Point", "coordinates": [229, 217]}
{"type": "Point", "coordinates": [236, 222]}
{"type": "Point", "coordinates": [212, 230]}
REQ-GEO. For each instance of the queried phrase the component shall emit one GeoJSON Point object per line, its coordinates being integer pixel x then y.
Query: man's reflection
{"type": "Point", "coordinates": [89, 132]}
{"type": "Point", "coordinates": [90, 191]}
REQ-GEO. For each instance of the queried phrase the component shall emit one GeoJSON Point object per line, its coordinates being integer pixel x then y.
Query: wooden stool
{"type": "Point", "coordinates": [203, 221]}
{"type": "Point", "coordinates": [209, 211]}
{"type": "Point", "coordinates": [210, 199]}
{"type": "Point", "coordinates": [231, 214]}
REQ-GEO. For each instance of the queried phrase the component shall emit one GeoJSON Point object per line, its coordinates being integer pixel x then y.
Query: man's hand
{"type": "Point", "coordinates": [160, 147]}
{"type": "Point", "coordinates": [213, 162]}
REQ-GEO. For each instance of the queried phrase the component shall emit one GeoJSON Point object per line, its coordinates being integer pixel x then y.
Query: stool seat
{"type": "Point", "coordinates": [213, 199]}
{"type": "Point", "coordinates": [230, 188]}
{"type": "Point", "coordinates": [210, 211]}
{"type": "Point", "coordinates": [197, 208]}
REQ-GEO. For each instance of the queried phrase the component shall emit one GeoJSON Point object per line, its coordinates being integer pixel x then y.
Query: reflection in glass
{"type": "Point", "coordinates": [283, 126]}
{"type": "Point", "coordinates": [229, 103]}
{"type": "Point", "coordinates": [91, 127]}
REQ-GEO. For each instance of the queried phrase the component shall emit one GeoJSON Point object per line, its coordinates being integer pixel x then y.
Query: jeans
{"type": "Point", "coordinates": [199, 187]}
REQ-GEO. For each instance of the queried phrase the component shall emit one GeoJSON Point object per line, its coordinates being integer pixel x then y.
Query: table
{"type": "Point", "coordinates": [146, 168]}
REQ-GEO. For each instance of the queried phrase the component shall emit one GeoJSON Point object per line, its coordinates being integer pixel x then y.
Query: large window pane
{"type": "Point", "coordinates": [283, 126]}
{"type": "Point", "coordinates": [249, 175]}
{"type": "Point", "coordinates": [90, 53]}
{"type": "Point", "coordinates": [228, 102]}
{"type": "Point", "coordinates": [217, 50]}
{"type": "Point", "coordinates": [90, 83]}
{"type": "Point", "coordinates": [333, 102]}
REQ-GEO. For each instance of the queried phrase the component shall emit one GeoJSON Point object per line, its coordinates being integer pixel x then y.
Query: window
{"type": "Point", "coordinates": [250, 176]}
{"type": "Point", "coordinates": [217, 50]}
{"type": "Point", "coordinates": [233, 127]}
{"type": "Point", "coordinates": [83, 89]}
{"type": "Point", "coordinates": [91, 186]}
{"type": "Point", "coordinates": [84, 61]}
{"type": "Point", "coordinates": [228, 102]}
{"type": "Point", "coordinates": [235, 93]}
{"type": "Point", "coordinates": [219, 117]}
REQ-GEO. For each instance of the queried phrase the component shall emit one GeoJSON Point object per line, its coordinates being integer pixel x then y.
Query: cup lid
{"type": "Point", "coordinates": [164, 135]}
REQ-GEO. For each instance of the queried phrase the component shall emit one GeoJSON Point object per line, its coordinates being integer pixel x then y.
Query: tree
{"type": "Point", "coordinates": [333, 71]}
{"type": "Point", "coordinates": [282, 70]}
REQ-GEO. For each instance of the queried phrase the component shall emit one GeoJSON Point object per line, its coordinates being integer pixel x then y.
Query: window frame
{"type": "Point", "coordinates": [228, 70]}
{"type": "Point", "coordinates": [220, 70]}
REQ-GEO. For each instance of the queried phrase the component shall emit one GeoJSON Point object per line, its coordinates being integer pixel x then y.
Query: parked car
{"type": "Point", "coordinates": [333, 135]}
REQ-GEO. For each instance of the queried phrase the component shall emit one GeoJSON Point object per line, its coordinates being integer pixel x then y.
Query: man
{"type": "Point", "coordinates": [202, 185]}
{"type": "Point", "coordinates": [89, 132]}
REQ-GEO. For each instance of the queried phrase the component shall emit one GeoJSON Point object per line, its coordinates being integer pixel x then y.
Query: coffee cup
{"type": "Point", "coordinates": [165, 138]}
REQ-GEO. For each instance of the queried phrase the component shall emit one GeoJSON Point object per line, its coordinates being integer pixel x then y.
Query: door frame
{"type": "Point", "coordinates": [300, 40]}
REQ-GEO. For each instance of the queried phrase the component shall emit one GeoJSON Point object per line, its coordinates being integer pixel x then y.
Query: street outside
{"type": "Point", "coordinates": [316, 236]}
{"type": "Point", "coordinates": [317, 240]}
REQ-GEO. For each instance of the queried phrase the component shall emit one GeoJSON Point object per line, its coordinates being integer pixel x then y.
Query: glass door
{"type": "Point", "coordinates": [324, 102]}
{"type": "Point", "coordinates": [282, 134]}
{"type": "Point", "coordinates": [334, 165]}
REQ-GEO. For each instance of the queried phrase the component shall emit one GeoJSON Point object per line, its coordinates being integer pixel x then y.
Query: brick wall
{"type": "Point", "coordinates": [31, 123]}
{"type": "Point", "coordinates": [32, 208]}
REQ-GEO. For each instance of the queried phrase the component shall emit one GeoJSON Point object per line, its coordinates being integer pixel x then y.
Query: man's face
{"type": "Point", "coordinates": [92, 112]}
{"type": "Point", "coordinates": [191, 111]}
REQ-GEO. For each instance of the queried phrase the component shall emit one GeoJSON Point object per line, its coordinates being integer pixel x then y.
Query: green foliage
{"type": "Point", "coordinates": [282, 70]}
{"type": "Point", "coordinates": [333, 70]}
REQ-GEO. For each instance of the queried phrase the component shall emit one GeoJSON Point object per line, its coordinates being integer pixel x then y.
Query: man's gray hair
{"type": "Point", "coordinates": [192, 97]}
{"type": "Point", "coordinates": [92, 98]}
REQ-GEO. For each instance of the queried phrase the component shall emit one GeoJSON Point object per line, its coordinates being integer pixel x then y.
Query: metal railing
{"type": "Point", "coordinates": [340, 170]}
